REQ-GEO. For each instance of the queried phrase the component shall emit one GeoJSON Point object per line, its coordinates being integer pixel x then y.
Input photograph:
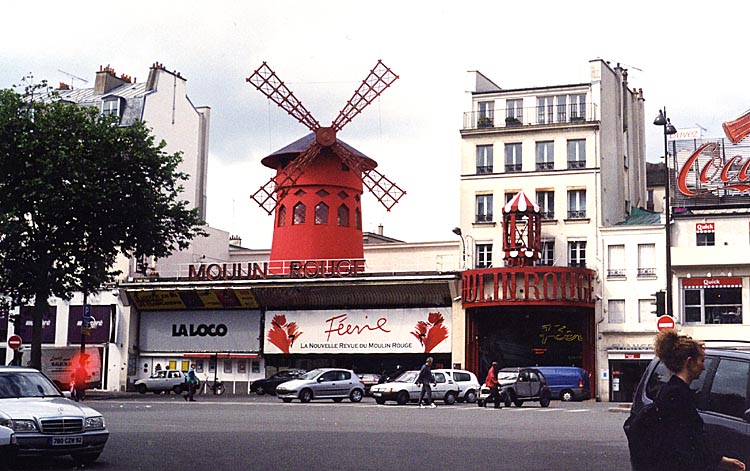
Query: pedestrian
{"type": "Point", "coordinates": [80, 376]}
{"type": "Point", "coordinates": [684, 448]}
{"type": "Point", "coordinates": [424, 379]}
{"type": "Point", "coordinates": [192, 383]}
{"type": "Point", "coordinates": [493, 385]}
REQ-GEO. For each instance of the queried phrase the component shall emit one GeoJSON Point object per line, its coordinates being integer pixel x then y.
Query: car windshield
{"type": "Point", "coordinates": [507, 375]}
{"type": "Point", "coordinates": [312, 374]}
{"type": "Point", "coordinates": [407, 377]}
{"type": "Point", "coordinates": [26, 384]}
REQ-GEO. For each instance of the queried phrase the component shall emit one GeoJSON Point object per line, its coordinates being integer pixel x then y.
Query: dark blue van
{"type": "Point", "coordinates": [567, 383]}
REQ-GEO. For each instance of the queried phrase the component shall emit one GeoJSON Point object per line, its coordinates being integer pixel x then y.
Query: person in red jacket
{"type": "Point", "coordinates": [492, 383]}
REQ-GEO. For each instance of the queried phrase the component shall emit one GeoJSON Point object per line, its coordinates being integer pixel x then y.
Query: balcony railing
{"type": "Point", "coordinates": [646, 271]}
{"type": "Point", "coordinates": [542, 166]}
{"type": "Point", "coordinates": [484, 169]}
{"type": "Point", "coordinates": [483, 218]}
{"type": "Point", "coordinates": [581, 214]}
{"type": "Point", "coordinates": [548, 215]}
{"type": "Point", "coordinates": [616, 273]}
{"type": "Point", "coordinates": [512, 168]}
{"type": "Point", "coordinates": [572, 164]}
{"type": "Point", "coordinates": [536, 115]}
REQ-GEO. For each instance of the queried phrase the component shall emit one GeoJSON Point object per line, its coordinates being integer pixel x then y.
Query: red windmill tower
{"type": "Point", "coordinates": [316, 192]}
{"type": "Point", "coordinates": [522, 231]}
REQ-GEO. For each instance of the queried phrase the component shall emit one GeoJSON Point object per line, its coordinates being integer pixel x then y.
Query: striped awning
{"type": "Point", "coordinates": [521, 203]}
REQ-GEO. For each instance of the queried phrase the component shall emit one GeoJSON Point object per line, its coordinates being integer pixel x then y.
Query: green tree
{"type": "Point", "coordinates": [77, 190]}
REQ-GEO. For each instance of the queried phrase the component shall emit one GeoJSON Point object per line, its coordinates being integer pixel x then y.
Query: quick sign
{"type": "Point", "coordinates": [414, 330]}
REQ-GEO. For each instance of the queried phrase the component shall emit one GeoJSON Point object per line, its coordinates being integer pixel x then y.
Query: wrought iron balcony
{"type": "Point", "coordinates": [533, 116]}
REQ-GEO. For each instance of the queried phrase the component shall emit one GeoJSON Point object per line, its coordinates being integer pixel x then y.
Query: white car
{"type": "Point", "coordinates": [44, 421]}
{"type": "Point", "coordinates": [468, 386]}
{"type": "Point", "coordinates": [8, 447]}
{"type": "Point", "coordinates": [405, 388]}
{"type": "Point", "coordinates": [162, 381]}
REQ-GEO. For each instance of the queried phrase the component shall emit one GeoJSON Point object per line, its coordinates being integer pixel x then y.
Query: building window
{"type": "Point", "coordinates": [546, 202]}
{"type": "Point", "coordinates": [484, 159]}
{"type": "Point", "coordinates": [646, 311]}
{"type": "Point", "coordinates": [713, 305]}
{"type": "Point", "coordinates": [514, 110]}
{"type": "Point", "coordinates": [299, 213]}
{"type": "Point", "coordinates": [616, 311]}
{"type": "Point", "coordinates": [577, 153]}
{"type": "Point", "coordinates": [650, 199]}
{"type": "Point", "coordinates": [111, 106]}
{"type": "Point", "coordinates": [321, 213]}
{"type": "Point", "coordinates": [281, 216]}
{"type": "Point", "coordinates": [545, 109]}
{"type": "Point", "coordinates": [343, 216]}
{"type": "Point", "coordinates": [358, 219]}
{"type": "Point", "coordinates": [577, 107]}
{"type": "Point", "coordinates": [548, 253]}
{"type": "Point", "coordinates": [483, 208]}
{"type": "Point", "coordinates": [616, 261]}
{"type": "Point", "coordinates": [576, 204]}
{"type": "Point", "coordinates": [484, 255]}
{"type": "Point", "coordinates": [646, 262]}
{"type": "Point", "coordinates": [577, 253]}
{"type": "Point", "coordinates": [513, 157]}
{"type": "Point", "coordinates": [705, 239]}
{"type": "Point", "coordinates": [545, 156]}
{"type": "Point", "coordinates": [562, 108]}
{"type": "Point", "coordinates": [486, 114]}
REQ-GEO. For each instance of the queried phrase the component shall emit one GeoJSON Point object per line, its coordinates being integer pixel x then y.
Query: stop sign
{"type": "Point", "coordinates": [664, 323]}
{"type": "Point", "coordinates": [14, 342]}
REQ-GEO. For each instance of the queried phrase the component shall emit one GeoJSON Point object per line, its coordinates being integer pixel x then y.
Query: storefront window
{"type": "Point", "coordinates": [227, 366]}
{"type": "Point", "coordinates": [713, 305]}
{"type": "Point", "coordinates": [255, 365]}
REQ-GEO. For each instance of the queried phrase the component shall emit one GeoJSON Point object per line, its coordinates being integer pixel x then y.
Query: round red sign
{"type": "Point", "coordinates": [664, 323]}
{"type": "Point", "coordinates": [14, 342]}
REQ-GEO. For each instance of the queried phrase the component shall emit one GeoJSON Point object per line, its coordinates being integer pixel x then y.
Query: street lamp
{"type": "Point", "coordinates": [662, 120]}
{"type": "Point", "coordinates": [457, 231]}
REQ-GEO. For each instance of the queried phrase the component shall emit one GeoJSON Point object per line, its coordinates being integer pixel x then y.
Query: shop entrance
{"type": "Point", "coordinates": [624, 377]}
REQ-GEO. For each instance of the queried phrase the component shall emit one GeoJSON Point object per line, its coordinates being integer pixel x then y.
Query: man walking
{"type": "Point", "coordinates": [424, 379]}
{"type": "Point", "coordinates": [493, 385]}
{"type": "Point", "coordinates": [192, 383]}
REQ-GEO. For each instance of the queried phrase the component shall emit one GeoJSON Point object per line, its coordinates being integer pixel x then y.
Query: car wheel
{"type": "Point", "coordinates": [141, 388]}
{"type": "Point", "coordinates": [286, 400]}
{"type": "Point", "coordinates": [402, 398]}
{"type": "Point", "coordinates": [86, 458]}
{"type": "Point", "coordinates": [518, 403]}
{"type": "Point", "coordinates": [470, 396]}
{"type": "Point", "coordinates": [177, 389]}
{"type": "Point", "coordinates": [260, 391]}
{"type": "Point", "coordinates": [380, 400]}
{"type": "Point", "coordinates": [507, 399]}
{"type": "Point", "coordinates": [305, 395]}
{"type": "Point", "coordinates": [544, 400]}
{"type": "Point", "coordinates": [356, 395]}
{"type": "Point", "coordinates": [450, 398]}
{"type": "Point", "coordinates": [567, 395]}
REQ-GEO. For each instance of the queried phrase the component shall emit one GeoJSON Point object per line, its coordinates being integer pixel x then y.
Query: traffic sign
{"type": "Point", "coordinates": [664, 323]}
{"type": "Point", "coordinates": [15, 341]}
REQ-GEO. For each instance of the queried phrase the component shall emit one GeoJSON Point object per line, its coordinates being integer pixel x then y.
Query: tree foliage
{"type": "Point", "coordinates": [76, 190]}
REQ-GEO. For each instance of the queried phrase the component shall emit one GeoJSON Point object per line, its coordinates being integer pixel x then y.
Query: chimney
{"type": "Point", "coordinates": [235, 240]}
{"type": "Point", "coordinates": [107, 80]}
{"type": "Point", "coordinates": [380, 229]}
{"type": "Point", "coordinates": [63, 86]}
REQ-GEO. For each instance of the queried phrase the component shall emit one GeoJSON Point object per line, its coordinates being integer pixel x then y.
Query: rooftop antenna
{"type": "Point", "coordinates": [73, 78]}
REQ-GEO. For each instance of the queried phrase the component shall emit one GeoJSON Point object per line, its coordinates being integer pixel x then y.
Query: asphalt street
{"type": "Point", "coordinates": [163, 432]}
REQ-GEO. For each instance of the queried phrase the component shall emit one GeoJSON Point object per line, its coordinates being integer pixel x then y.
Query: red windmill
{"type": "Point", "coordinates": [316, 192]}
{"type": "Point", "coordinates": [522, 231]}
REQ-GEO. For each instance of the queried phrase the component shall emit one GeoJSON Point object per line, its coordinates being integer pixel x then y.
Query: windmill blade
{"type": "Point", "coordinates": [267, 196]}
{"type": "Point", "coordinates": [387, 192]}
{"type": "Point", "coordinates": [269, 84]}
{"type": "Point", "coordinates": [380, 78]}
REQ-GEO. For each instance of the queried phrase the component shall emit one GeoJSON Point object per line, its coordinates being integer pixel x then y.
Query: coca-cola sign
{"type": "Point", "coordinates": [714, 171]}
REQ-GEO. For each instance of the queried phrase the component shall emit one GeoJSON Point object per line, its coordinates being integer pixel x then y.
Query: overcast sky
{"type": "Point", "coordinates": [688, 56]}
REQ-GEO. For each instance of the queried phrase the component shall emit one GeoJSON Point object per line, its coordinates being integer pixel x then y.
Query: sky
{"type": "Point", "coordinates": [686, 56]}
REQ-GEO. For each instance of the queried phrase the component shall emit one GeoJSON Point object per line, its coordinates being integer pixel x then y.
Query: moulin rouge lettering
{"type": "Point", "coordinates": [732, 174]}
{"type": "Point", "coordinates": [337, 325]}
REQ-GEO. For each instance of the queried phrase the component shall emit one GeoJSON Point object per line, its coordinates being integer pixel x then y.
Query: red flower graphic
{"type": "Point", "coordinates": [283, 334]}
{"type": "Point", "coordinates": [432, 332]}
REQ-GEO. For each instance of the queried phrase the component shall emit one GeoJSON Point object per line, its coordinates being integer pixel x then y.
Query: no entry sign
{"type": "Point", "coordinates": [664, 323]}
{"type": "Point", "coordinates": [14, 342]}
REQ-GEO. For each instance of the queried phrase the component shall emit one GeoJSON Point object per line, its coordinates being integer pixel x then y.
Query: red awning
{"type": "Point", "coordinates": [521, 203]}
{"type": "Point", "coordinates": [719, 282]}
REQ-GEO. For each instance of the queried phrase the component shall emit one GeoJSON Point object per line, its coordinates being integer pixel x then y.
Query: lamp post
{"type": "Point", "coordinates": [662, 120]}
{"type": "Point", "coordinates": [457, 231]}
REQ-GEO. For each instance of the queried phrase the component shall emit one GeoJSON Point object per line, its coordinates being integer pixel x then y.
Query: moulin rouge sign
{"type": "Point", "coordinates": [293, 269]}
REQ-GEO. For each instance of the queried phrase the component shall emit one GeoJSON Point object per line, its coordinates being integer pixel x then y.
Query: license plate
{"type": "Point", "coordinates": [63, 441]}
{"type": "Point", "coordinates": [377, 394]}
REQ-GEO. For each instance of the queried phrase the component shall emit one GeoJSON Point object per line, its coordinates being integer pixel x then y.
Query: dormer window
{"type": "Point", "coordinates": [112, 105]}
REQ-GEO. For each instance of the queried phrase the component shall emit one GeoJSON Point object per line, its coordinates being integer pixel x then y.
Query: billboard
{"type": "Point", "coordinates": [200, 331]}
{"type": "Point", "coordinates": [411, 330]}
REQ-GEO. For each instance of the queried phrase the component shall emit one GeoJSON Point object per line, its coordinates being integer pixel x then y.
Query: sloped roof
{"type": "Point", "coordinates": [641, 217]}
{"type": "Point", "coordinates": [521, 203]}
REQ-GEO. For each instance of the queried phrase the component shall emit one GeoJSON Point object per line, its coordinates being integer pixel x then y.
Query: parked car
{"type": "Point", "coordinates": [405, 389]}
{"type": "Point", "coordinates": [8, 447]}
{"type": "Point", "coordinates": [162, 381]}
{"type": "Point", "coordinates": [721, 397]}
{"type": "Point", "coordinates": [369, 380]}
{"type": "Point", "coordinates": [468, 385]}
{"type": "Point", "coordinates": [268, 385]}
{"type": "Point", "coordinates": [44, 421]}
{"type": "Point", "coordinates": [519, 385]}
{"type": "Point", "coordinates": [323, 383]}
{"type": "Point", "coordinates": [567, 383]}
